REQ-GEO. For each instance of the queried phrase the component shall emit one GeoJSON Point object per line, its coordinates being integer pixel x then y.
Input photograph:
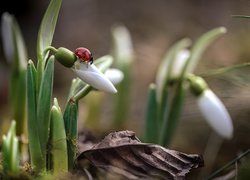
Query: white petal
{"type": "Point", "coordinates": [123, 44]}
{"type": "Point", "coordinates": [215, 113]}
{"type": "Point", "coordinates": [114, 75]}
{"type": "Point", "coordinates": [179, 63]}
{"type": "Point", "coordinates": [92, 76]}
{"type": "Point", "coordinates": [7, 36]}
{"type": "Point", "coordinates": [176, 68]}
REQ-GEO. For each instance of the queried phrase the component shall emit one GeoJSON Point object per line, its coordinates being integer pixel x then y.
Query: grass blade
{"type": "Point", "coordinates": [200, 46]}
{"type": "Point", "coordinates": [5, 155]}
{"type": "Point", "coordinates": [58, 140]}
{"type": "Point", "coordinates": [11, 153]}
{"type": "Point", "coordinates": [122, 99]}
{"type": "Point", "coordinates": [15, 157]}
{"type": "Point", "coordinates": [15, 53]}
{"type": "Point", "coordinates": [44, 105]}
{"type": "Point", "coordinates": [37, 160]}
{"type": "Point", "coordinates": [70, 124]}
{"type": "Point", "coordinates": [18, 99]}
{"type": "Point", "coordinates": [45, 36]}
{"type": "Point", "coordinates": [151, 128]}
{"type": "Point", "coordinates": [171, 116]}
{"type": "Point", "coordinates": [47, 28]}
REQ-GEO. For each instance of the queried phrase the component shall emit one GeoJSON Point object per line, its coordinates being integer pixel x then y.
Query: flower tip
{"type": "Point", "coordinates": [223, 29]}
{"type": "Point", "coordinates": [30, 62]}
{"type": "Point", "coordinates": [227, 133]}
{"type": "Point", "coordinates": [115, 91]}
{"type": "Point", "coordinates": [216, 114]}
{"type": "Point", "coordinates": [109, 88]}
{"type": "Point", "coordinates": [94, 77]}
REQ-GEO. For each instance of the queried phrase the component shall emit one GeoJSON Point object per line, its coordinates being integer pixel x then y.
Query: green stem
{"type": "Point", "coordinates": [50, 48]}
{"type": "Point", "coordinates": [83, 92]}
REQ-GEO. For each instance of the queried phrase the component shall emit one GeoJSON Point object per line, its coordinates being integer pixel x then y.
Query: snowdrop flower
{"type": "Point", "coordinates": [114, 75]}
{"type": "Point", "coordinates": [82, 66]}
{"type": "Point", "coordinates": [13, 45]}
{"type": "Point", "coordinates": [212, 108]}
{"type": "Point", "coordinates": [90, 74]}
{"type": "Point", "coordinates": [179, 63]}
{"type": "Point", "coordinates": [123, 48]}
{"type": "Point", "coordinates": [7, 37]}
{"type": "Point", "coordinates": [170, 69]}
{"type": "Point", "coordinates": [215, 113]}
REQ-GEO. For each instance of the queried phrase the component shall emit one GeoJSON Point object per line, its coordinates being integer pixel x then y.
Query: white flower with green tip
{"type": "Point", "coordinates": [179, 63]}
{"type": "Point", "coordinates": [90, 74]}
{"type": "Point", "coordinates": [211, 107]}
{"type": "Point", "coordinates": [215, 113]}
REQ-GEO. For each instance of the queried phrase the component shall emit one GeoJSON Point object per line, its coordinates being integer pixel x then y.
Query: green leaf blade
{"type": "Point", "coordinates": [44, 104]}
{"type": "Point", "coordinates": [5, 155]}
{"type": "Point", "coordinates": [58, 140]}
{"type": "Point", "coordinates": [10, 152]}
{"type": "Point", "coordinates": [16, 55]}
{"type": "Point", "coordinates": [18, 100]}
{"type": "Point", "coordinates": [201, 45]}
{"type": "Point", "coordinates": [37, 160]}
{"type": "Point", "coordinates": [45, 36]}
{"type": "Point", "coordinates": [70, 124]}
{"type": "Point", "coordinates": [47, 28]}
{"type": "Point", "coordinates": [151, 127]}
{"type": "Point", "coordinates": [171, 116]}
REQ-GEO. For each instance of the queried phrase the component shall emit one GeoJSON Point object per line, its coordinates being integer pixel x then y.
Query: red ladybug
{"type": "Point", "coordinates": [84, 54]}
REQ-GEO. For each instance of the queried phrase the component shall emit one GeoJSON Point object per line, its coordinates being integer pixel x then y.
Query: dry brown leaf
{"type": "Point", "coordinates": [122, 153]}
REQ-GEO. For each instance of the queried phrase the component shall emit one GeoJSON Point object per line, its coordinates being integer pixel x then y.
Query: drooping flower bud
{"type": "Point", "coordinates": [215, 113]}
{"type": "Point", "coordinates": [178, 64]}
{"type": "Point", "coordinates": [211, 107]}
{"type": "Point", "coordinates": [90, 74]}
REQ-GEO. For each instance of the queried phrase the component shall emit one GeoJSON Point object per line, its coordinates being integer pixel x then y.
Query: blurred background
{"type": "Point", "coordinates": [154, 27]}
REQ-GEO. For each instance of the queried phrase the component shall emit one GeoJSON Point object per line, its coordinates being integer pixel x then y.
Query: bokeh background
{"type": "Point", "coordinates": [154, 27]}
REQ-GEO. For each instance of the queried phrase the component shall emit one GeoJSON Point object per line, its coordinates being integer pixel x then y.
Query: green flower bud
{"type": "Point", "coordinates": [197, 84]}
{"type": "Point", "coordinates": [65, 57]}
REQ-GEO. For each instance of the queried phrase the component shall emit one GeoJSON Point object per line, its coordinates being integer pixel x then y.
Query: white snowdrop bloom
{"type": "Point", "coordinates": [90, 74]}
{"type": "Point", "coordinates": [13, 43]}
{"type": "Point", "coordinates": [179, 63]}
{"type": "Point", "coordinates": [114, 75]}
{"type": "Point", "coordinates": [7, 37]}
{"type": "Point", "coordinates": [215, 113]}
{"type": "Point", "coordinates": [171, 70]}
{"type": "Point", "coordinates": [123, 48]}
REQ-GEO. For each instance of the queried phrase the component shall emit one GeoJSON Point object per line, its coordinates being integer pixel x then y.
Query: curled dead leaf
{"type": "Point", "coordinates": [122, 153]}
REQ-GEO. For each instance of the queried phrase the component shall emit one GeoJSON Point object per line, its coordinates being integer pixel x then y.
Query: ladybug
{"type": "Point", "coordinates": [84, 54]}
